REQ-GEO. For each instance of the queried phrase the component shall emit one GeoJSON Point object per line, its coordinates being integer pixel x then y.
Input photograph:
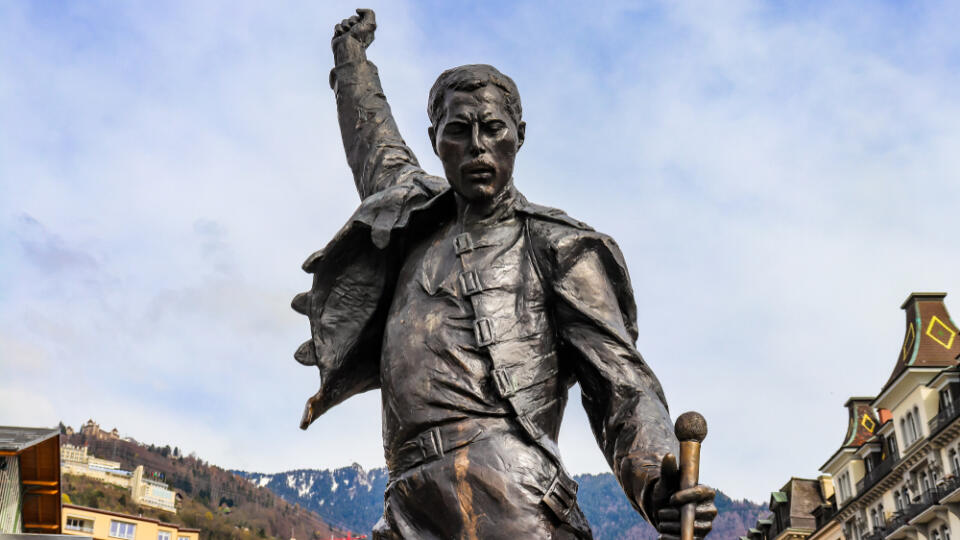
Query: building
{"type": "Point", "coordinates": [143, 491]}
{"type": "Point", "coordinates": [792, 510]}
{"type": "Point", "coordinates": [151, 493]}
{"type": "Point", "coordinates": [29, 480]}
{"type": "Point", "coordinates": [104, 525]}
{"type": "Point", "coordinates": [76, 460]}
{"type": "Point", "coordinates": [92, 429]}
{"type": "Point", "coordinates": [897, 472]}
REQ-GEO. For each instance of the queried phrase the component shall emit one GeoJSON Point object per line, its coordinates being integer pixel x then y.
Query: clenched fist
{"type": "Point", "coordinates": [353, 35]}
{"type": "Point", "coordinates": [668, 498]}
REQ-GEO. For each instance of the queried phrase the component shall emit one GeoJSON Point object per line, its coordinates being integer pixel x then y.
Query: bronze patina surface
{"type": "Point", "coordinates": [474, 311]}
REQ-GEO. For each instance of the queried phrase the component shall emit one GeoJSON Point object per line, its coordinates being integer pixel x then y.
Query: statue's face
{"type": "Point", "coordinates": [477, 142]}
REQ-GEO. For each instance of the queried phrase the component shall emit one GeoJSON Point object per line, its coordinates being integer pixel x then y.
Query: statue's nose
{"type": "Point", "coordinates": [475, 146]}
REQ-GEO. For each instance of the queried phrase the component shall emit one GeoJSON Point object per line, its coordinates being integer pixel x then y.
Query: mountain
{"type": "Point", "coordinates": [351, 498]}
{"type": "Point", "coordinates": [212, 499]}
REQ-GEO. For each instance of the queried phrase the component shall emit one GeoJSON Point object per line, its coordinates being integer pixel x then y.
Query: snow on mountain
{"type": "Point", "coordinates": [349, 497]}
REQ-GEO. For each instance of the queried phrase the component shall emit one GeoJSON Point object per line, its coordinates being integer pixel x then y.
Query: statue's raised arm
{"type": "Point", "coordinates": [375, 150]}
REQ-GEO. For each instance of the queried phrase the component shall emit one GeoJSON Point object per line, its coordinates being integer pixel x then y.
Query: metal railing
{"type": "Point", "coordinates": [948, 486]}
{"type": "Point", "coordinates": [949, 412]}
{"type": "Point", "coordinates": [919, 504]}
{"type": "Point", "coordinates": [875, 475]}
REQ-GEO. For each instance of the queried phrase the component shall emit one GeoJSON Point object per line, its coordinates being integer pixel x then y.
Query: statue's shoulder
{"type": "Point", "coordinates": [548, 219]}
{"type": "Point", "coordinates": [557, 237]}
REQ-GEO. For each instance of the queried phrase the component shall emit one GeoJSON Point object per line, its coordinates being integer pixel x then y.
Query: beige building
{"type": "Point", "coordinates": [104, 525]}
{"type": "Point", "coordinates": [151, 493]}
{"type": "Point", "coordinates": [144, 491]}
{"type": "Point", "coordinates": [897, 473]}
{"type": "Point", "coordinates": [76, 460]}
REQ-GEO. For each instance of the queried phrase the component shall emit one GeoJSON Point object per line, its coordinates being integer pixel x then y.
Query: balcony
{"type": "Point", "coordinates": [950, 411]}
{"type": "Point", "coordinates": [950, 490]}
{"type": "Point", "coordinates": [875, 475]}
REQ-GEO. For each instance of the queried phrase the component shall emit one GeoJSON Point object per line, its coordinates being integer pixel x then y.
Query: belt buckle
{"type": "Point", "coordinates": [430, 443]}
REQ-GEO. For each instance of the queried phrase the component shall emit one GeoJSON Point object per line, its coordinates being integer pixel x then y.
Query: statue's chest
{"type": "Point", "coordinates": [456, 264]}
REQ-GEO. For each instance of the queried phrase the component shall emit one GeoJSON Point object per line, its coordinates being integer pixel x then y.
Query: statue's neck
{"type": "Point", "coordinates": [491, 210]}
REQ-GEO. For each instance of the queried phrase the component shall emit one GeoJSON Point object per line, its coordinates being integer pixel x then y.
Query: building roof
{"type": "Point", "coordinates": [15, 439]}
{"type": "Point", "coordinates": [929, 339]}
{"type": "Point", "coordinates": [132, 518]}
{"type": "Point", "coordinates": [862, 422]}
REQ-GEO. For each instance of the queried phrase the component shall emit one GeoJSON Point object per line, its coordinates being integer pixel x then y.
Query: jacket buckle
{"type": "Point", "coordinates": [470, 282]}
{"type": "Point", "coordinates": [528, 426]}
{"type": "Point", "coordinates": [505, 384]}
{"type": "Point", "coordinates": [462, 243]}
{"type": "Point", "coordinates": [561, 496]}
{"type": "Point", "coordinates": [483, 330]}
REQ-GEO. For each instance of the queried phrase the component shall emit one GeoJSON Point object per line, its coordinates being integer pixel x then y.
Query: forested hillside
{"type": "Point", "coordinates": [212, 499]}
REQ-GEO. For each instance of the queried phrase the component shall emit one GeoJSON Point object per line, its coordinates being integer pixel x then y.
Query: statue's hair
{"type": "Point", "coordinates": [468, 78]}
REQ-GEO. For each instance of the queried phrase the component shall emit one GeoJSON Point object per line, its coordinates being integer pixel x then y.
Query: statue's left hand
{"type": "Point", "coordinates": [668, 498]}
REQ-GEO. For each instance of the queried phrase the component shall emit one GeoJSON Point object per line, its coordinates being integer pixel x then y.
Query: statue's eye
{"type": "Point", "coordinates": [455, 128]}
{"type": "Point", "coordinates": [494, 127]}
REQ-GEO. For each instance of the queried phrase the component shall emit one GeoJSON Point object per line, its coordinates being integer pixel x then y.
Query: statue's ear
{"type": "Point", "coordinates": [521, 133]}
{"type": "Point", "coordinates": [432, 132]}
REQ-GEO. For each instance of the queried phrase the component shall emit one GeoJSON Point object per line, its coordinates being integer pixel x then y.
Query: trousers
{"type": "Point", "coordinates": [488, 489]}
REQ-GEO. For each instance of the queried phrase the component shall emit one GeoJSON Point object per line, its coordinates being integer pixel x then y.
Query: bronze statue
{"type": "Point", "coordinates": [474, 311]}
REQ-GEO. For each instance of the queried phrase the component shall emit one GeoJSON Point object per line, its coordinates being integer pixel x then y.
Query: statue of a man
{"type": "Point", "coordinates": [474, 311]}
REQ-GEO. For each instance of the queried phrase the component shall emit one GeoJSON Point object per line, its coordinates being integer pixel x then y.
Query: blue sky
{"type": "Point", "coordinates": [780, 176]}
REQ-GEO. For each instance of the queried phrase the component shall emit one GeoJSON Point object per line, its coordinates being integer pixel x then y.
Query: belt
{"type": "Point", "coordinates": [433, 443]}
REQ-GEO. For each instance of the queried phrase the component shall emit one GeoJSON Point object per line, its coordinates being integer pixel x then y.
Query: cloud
{"type": "Point", "coordinates": [779, 177]}
{"type": "Point", "coordinates": [47, 251]}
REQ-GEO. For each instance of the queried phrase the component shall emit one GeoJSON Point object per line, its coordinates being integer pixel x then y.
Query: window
{"type": "Point", "coordinates": [843, 486]}
{"type": "Point", "coordinates": [909, 429]}
{"type": "Point", "coordinates": [163, 535]}
{"type": "Point", "coordinates": [79, 524]}
{"type": "Point", "coordinates": [954, 462]}
{"type": "Point", "coordinates": [122, 529]}
{"type": "Point", "coordinates": [946, 532]}
{"type": "Point", "coordinates": [925, 482]}
{"type": "Point", "coordinates": [897, 501]}
{"type": "Point", "coordinates": [917, 431]}
{"type": "Point", "coordinates": [936, 535]}
{"type": "Point", "coordinates": [188, 538]}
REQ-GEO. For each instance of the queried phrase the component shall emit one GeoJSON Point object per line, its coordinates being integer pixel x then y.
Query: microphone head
{"type": "Point", "coordinates": [690, 426]}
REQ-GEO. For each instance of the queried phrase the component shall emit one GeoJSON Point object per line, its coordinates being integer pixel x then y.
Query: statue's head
{"type": "Point", "coordinates": [476, 129]}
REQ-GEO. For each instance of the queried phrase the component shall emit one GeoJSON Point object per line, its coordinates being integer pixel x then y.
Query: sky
{"type": "Point", "coordinates": [779, 175]}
